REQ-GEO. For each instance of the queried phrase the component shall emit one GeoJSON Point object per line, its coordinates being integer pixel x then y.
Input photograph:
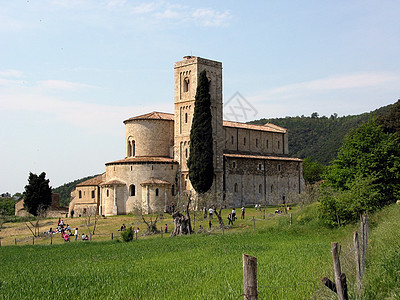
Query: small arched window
{"type": "Point", "coordinates": [186, 118]}
{"type": "Point", "coordinates": [233, 164]}
{"type": "Point", "coordinates": [108, 193]}
{"type": "Point", "coordinates": [244, 141]}
{"type": "Point", "coordinates": [80, 194]}
{"type": "Point", "coordinates": [272, 188]}
{"type": "Point", "coordinates": [236, 187]}
{"type": "Point", "coordinates": [232, 139]}
{"type": "Point", "coordinates": [173, 190]}
{"type": "Point", "coordinates": [156, 192]}
{"type": "Point", "coordinates": [256, 142]}
{"type": "Point", "coordinates": [186, 84]}
{"type": "Point", "coordinates": [186, 152]}
{"type": "Point", "coordinates": [132, 190]}
{"type": "Point", "coordinates": [260, 188]}
{"type": "Point", "coordinates": [93, 194]}
{"type": "Point", "coordinates": [267, 143]}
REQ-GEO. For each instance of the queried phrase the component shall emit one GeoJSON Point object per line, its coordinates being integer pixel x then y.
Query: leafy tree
{"type": "Point", "coordinates": [312, 171]}
{"type": "Point", "coordinates": [37, 193]}
{"type": "Point", "coordinates": [7, 206]}
{"type": "Point", "coordinates": [391, 121]}
{"type": "Point", "coordinates": [200, 162]}
{"type": "Point", "coordinates": [365, 175]}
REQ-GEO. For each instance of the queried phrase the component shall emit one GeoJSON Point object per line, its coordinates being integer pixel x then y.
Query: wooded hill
{"type": "Point", "coordinates": [319, 138]}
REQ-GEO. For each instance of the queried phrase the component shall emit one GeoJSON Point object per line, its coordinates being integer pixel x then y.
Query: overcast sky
{"type": "Point", "coordinates": [72, 70]}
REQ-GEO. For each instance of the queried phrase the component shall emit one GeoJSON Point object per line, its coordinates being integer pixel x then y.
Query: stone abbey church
{"type": "Point", "coordinates": [251, 162]}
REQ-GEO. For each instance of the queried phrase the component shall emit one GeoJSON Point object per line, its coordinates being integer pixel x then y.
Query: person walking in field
{"type": "Point", "coordinates": [76, 233]}
{"type": "Point", "coordinates": [210, 212]}
{"type": "Point", "coordinates": [242, 216]}
{"type": "Point", "coordinates": [233, 214]}
{"type": "Point", "coordinates": [209, 224]}
{"type": "Point", "coordinates": [230, 222]}
{"type": "Point", "coordinates": [166, 228]}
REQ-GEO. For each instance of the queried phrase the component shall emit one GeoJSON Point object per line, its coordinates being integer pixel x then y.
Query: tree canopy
{"type": "Point", "coordinates": [365, 176]}
{"type": "Point", "coordinates": [200, 162]}
{"type": "Point", "coordinates": [37, 195]}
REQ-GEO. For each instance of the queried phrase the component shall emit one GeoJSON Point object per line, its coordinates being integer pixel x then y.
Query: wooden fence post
{"type": "Point", "coordinates": [161, 231]}
{"type": "Point", "coordinates": [33, 240]}
{"type": "Point", "coordinates": [15, 242]}
{"type": "Point", "coordinates": [112, 235]}
{"type": "Point", "coordinates": [290, 218]}
{"type": "Point", "coordinates": [336, 267]}
{"type": "Point", "coordinates": [51, 239]}
{"type": "Point", "coordinates": [250, 277]}
{"type": "Point", "coordinates": [357, 259]}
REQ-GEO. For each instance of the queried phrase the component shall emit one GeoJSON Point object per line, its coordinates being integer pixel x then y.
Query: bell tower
{"type": "Point", "coordinates": [186, 73]}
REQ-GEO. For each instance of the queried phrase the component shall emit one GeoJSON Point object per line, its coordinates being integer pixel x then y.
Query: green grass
{"type": "Point", "coordinates": [383, 259]}
{"type": "Point", "coordinates": [291, 261]}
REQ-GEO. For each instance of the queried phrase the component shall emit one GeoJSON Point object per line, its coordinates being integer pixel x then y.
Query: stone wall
{"type": "Point", "coordinates": [131, 174]}
{"type": "Point", "coordinates": [264, 181]}
{"type": "Point", "coordinates": [151, 137]}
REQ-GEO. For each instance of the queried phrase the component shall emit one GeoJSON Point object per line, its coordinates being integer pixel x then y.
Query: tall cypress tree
{"type": "Point", "coordinates": [200, 162]}
{"type": "Point", "coordinates": [37, 193]}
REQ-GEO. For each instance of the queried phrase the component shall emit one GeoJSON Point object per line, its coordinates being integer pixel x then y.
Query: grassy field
{"type": "Point", "coordinates": [291, 262]}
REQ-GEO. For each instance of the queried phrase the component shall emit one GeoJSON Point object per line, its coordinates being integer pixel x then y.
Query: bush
{"type": "Point", "coordinates": [127, 234]}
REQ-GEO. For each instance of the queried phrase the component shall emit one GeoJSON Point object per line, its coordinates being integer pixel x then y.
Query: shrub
{"type": "Point", "coordinates": [127, 234]}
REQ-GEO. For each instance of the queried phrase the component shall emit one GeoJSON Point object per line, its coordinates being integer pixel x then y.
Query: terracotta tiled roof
{"type": "Point", "coordinates": [113, 182]}
{"type": "Point", "coordinates": [267, 127]}
{"type": "Point", "coordinates": [155, 115]}
{"type": "Point", "coordinates": [269, 157]}
{"type": "Point", "coordinates": [155, 181]}
{"type": "Point", "coordinates": [139, 159]}
{"type": "Point", "coordinates": [94, 181]}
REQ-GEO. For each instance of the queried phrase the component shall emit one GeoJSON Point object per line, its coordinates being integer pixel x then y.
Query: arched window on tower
{"type": "Point", "coordinates": [186, 117]}
{"type": "Point", "coordinates": [132, 190]}
{"type": "Point", "coordinates": [156, 192]}
{"type": "Point", "coordinates": [186, 84]}
{"type": "Point", "coordinates": [236, 188]}
{"type": "Point", "coordinates": [133, 149]}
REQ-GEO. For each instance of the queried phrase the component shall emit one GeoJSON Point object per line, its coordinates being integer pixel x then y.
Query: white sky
{"type": "Point", "coordinates": [71, 71]}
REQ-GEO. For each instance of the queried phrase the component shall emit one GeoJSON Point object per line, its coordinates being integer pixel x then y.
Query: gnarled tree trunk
{"type": "Point", "coordinates": [182, 222]}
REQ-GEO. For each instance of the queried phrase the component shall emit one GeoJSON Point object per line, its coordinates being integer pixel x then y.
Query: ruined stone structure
{"type": "Point", "coordinates": [251, 162]}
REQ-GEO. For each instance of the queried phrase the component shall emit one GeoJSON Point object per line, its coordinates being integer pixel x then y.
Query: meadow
{"type": "Point", "coordinates": [292, 259]}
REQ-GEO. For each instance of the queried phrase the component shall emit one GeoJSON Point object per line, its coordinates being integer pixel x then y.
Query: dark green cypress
{"type": "Point", "coordinates": [200, 162]}
{"type": "Point", "coordinates": [37, 193]}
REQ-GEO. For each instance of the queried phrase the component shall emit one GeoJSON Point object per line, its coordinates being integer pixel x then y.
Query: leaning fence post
{"type": "Point", "coordinates": [250, 277]}
{"type": "Point", "coordinates": [336, 267]}
{"type": "Point", "coordinates": [357, 259]}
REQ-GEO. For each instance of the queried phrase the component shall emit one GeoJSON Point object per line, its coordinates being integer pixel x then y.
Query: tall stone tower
{"type": "Point", "coordinates": [186, 76]}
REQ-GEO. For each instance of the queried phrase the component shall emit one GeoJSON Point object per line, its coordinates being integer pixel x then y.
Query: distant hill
{"type": "Point", "coordinates": [66, 189]}
{"type": "Point", "coordinates": [319, 138]}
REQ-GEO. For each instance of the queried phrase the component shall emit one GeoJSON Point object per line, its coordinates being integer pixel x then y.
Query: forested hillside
{"type": "Point", "coordinates": [66, 189]}
{"type": "Point", "coordinates": [319, 138]}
